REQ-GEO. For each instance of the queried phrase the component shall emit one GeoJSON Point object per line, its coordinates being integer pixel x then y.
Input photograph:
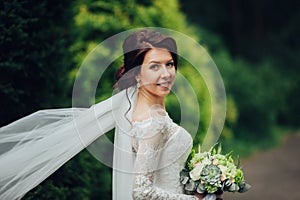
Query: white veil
{"type": "Point", "coordinates": [123, 155]}
{"type": "Point", "coordinates": [33, 147]}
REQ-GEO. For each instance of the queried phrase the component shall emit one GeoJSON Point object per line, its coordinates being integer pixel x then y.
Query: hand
{"type": "Point", "coordinates": [217, 196]}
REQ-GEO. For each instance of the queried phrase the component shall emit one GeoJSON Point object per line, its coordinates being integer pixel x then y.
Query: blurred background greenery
{"type": "Point", "coordinates": [255, 45]}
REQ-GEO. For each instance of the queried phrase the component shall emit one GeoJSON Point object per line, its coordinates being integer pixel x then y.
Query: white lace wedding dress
{"type": "Point", "coordinates": [33, 147]}
{"type": "Point", "coordinates": [161, 148]}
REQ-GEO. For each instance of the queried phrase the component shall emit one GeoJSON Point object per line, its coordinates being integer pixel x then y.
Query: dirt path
{"type": "Point", "coordinates": [274, 174]}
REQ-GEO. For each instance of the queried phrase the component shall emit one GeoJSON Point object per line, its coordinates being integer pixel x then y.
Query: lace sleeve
{"type": "Point", "coordinates": [148, 151]}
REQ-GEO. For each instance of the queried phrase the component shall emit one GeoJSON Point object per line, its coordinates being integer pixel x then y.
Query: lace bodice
{"type": "Point", "coordinates": [161, 148]}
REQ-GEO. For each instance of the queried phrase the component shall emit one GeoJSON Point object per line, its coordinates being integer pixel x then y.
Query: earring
{"type": "Point", "coordinates": [138, 84]}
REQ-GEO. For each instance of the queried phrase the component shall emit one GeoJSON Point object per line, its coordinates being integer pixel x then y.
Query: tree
{"type": "Point", "coordinates": [258, 32]}
{"type": "Point", "coordinates": [34, 56]}
{"type": "Point", "coordinates": [84, 177]}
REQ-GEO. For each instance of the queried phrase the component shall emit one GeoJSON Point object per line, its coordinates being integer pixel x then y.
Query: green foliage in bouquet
{"type": "Point", "coordinates": [212, 172]}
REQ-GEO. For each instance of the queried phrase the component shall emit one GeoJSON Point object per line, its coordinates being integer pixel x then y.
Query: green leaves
{"type": "Point", "coordinates": [34, 56]}
{"type": "Point", "coordinates": [211, 172]}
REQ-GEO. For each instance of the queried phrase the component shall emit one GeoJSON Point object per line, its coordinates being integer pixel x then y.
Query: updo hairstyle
{"type": "Point", "coordinates": [135, 47]}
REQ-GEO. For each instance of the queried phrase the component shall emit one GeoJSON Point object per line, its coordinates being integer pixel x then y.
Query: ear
{"type": "Point", "coordinates": [138, 78]}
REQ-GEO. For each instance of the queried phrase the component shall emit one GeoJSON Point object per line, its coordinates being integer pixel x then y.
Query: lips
{"type": "Point", "coordinates": [165, 84]}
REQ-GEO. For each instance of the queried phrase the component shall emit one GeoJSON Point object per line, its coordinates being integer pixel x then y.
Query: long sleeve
{"type": "Point", "coordinates": [149, 144]}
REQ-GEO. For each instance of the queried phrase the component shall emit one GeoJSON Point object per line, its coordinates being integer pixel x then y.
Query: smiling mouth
{"type": "Point", "coordinates": [165, 84]}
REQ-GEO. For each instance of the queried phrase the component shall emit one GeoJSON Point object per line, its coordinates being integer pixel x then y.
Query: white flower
{"type": "Point", "coordinates": [195, 173]}
{"type": "Point", "coordinates": [215, 161]}
{"type": "Point", "coordinates": [223, 169]}
{"type": "Point", "coordinates": [196, 163]}
{"type": "Point", "coordinates": [206, 161]}
{"type": "Point", "coordinates": [223, 177]}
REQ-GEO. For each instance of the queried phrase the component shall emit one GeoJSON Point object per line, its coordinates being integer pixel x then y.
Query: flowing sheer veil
{"type": "Point", "coordinates": [35, 146]}
{"type": "Point", "coordinates": [123, 156]}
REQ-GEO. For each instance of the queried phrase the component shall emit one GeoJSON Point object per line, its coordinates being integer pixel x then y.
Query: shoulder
{"type": "Point", "coordinates": [143, 113]}
{"type": "Point", "coordinates": [150, 125]}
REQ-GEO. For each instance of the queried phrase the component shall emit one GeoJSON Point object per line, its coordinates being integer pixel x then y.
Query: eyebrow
{"type": "Point", "coordinates": [157, 62]}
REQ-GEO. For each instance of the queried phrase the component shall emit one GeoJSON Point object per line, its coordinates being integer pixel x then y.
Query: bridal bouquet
{"type": "Point", "coordinates": [212, 172]}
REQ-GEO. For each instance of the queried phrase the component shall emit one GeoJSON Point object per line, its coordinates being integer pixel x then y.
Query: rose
{"type": "Point", "coordinates": [195, 173]}
{"type": "Point", "coordinates": [215, 161]}
{"type": "Point", "coordinates": [206, 161]}
{"type": "Point", "coordinates": [211, 172]}
{"type": "Point", "coordinates": [223, 177]}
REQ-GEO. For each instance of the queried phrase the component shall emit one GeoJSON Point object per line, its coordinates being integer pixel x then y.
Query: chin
{"type": "Point", "coordinates": [164, 94]}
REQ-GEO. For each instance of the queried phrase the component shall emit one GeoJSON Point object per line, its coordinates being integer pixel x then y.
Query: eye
{"type": "Point", "coordinates": [154, 67]}
{"type": "Point", "coordinates": [170, 64]}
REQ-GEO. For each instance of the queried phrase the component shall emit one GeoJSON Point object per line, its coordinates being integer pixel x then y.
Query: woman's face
{"type": "Point", "coordinates": [157, 73]}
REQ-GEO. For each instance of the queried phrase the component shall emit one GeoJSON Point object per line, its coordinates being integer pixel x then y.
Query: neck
{"type": "Point", "coordinates": [149, 99]}
{"type": "Point", "coordinates": [146, 102]}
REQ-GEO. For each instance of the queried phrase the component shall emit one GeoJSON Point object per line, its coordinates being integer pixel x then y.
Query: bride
{"type": "Point", "coordinates": [149, 148]}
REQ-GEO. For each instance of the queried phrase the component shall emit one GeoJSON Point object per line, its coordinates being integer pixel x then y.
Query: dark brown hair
{"type": "Point", "coordinates": [135, 47]}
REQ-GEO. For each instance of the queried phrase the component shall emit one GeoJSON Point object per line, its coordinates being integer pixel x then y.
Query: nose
{"type": "Point", "coordinates": [165, 72]}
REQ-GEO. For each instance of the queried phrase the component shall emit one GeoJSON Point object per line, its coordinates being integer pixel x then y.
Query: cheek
{"type": "Point", "coordinates": [149, 78]}
{"type": "Point", "coordinates": [173, 73]}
